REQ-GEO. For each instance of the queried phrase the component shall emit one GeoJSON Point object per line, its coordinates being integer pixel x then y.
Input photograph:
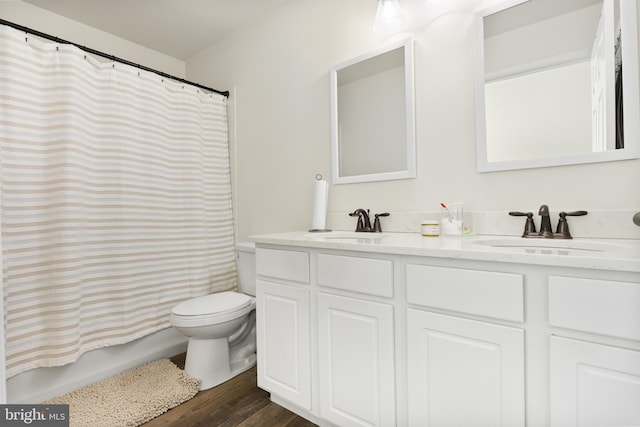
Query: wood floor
{"type": "Point", "coordinates": [238, 402]}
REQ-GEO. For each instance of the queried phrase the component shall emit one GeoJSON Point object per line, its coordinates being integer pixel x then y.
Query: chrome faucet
{"type": "Point", "coordinates": [546, 232]}
{"type": "Point", "coordinates": [364, 222]}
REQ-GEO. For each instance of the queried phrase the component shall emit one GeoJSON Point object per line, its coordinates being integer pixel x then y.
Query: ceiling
{"type": "Point", "coordinates": [178, 28]}
{"type": "Point", "coordinates": [531, 12]}
{"type": "Point", "coordinates": [182, 28]}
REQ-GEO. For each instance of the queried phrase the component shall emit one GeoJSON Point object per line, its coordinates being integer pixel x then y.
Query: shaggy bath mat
{"type": "Point", "coordinates": [131, 398]}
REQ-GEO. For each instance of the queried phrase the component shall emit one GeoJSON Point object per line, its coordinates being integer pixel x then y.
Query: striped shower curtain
{"type": "Point", "coordinates": [115, 196]}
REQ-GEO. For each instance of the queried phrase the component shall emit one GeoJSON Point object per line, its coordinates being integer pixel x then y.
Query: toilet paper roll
{"type": "Point", "coordinates": [319, 221]}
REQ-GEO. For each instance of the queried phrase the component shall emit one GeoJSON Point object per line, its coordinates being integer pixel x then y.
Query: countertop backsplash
{"type": "Point", "coordinates": [612, 224]}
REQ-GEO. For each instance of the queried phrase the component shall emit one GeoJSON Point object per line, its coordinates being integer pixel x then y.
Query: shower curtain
{"type": "Point", "coordinates": [115, 196]}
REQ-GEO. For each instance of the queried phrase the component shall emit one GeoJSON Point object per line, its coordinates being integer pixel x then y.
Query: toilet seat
{"type": "Point", "coordinates": [211, 309]}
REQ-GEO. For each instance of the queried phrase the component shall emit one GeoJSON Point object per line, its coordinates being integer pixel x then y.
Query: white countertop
{"type": "Point", "coordinates": [603, 254]}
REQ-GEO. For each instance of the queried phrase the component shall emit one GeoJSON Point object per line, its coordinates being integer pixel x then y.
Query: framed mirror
{"type": "Point", "coordinates": [549, 83]}
{"type": "Point", "coordinates": [372, 116]}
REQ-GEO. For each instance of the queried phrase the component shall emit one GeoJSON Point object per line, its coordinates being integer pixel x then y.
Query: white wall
{"type": "Point", "coordinates": [277, 69]}
{"type": "Point", "coordinates": [44, 21]}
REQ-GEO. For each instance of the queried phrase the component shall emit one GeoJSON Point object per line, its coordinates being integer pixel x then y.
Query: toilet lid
{"type": "Point", "coordinates": [212, 304]}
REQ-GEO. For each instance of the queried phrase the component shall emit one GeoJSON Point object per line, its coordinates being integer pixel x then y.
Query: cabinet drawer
{"type": "Point", "coordinates": [280, 264]}
{"type": "Point", "coordinates": [366, 275]}
{"type": "Point", "coordinates": [485, 293]}
{"type": "Point", "coordinates": [597, 306]}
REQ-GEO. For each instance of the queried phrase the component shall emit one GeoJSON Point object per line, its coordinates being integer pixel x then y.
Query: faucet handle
{"type": "Point", "coordinates": [562, 232]}
{"type": "Point", "coordinates": [376, 223]}
{"type": "Point", "coordinates": [574, 213]}
{"type": "Point", "coordinates": [529, 226]}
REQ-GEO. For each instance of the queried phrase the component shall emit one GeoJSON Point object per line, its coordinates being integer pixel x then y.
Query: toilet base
{"type": "Point", "coordinates": [213, 362]}
{"type": "Point", "coordinates": [208, 360]}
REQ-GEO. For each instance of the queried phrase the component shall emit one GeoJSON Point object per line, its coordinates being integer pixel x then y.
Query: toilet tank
{"type": "Point", "coordinates": [246, 266]}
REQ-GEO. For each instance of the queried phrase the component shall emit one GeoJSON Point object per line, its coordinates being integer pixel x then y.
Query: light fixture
{"type": "Point", "coordinates": [389, 17]}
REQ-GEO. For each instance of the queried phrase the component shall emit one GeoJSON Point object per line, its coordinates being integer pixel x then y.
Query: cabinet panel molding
{"type": "Point", "coordinates": [484, 293]}
{"type": "Point", "coordinates": [366, 275]}
{"type": "Point", "coordinates": [464, 372]}
{"type": "Point", "coordinates": [356, 357]}
{"type": "Point", "coordinates": [593, 384]}
{"type": "Point", "coordinates": [284, 344]}
{"type": "Point", "coordinates": [283, 264]}
{"type": "Point", "coordinates": [597, 306]}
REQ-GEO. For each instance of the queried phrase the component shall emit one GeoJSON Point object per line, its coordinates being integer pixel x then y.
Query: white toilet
{"type": "Point", "coordinates": [221, 327]}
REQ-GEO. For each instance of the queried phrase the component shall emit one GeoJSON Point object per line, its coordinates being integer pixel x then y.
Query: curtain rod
{"type": "Point", "coordinates": [111, 57]}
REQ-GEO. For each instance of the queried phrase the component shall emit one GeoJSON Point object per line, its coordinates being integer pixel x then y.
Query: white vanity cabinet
{"type": "Point", "coordinates": [325, 335]}
{"type": "Point", "coordinates": [389, 331]}
{"type": "Point", "coordinates": [463, 371]}
{"type": "Point", "coordinates": [356, 341]}
{"type": "Point", "coordinates": [283, 324]}
{"type": "Point", "coordinates": [594, 379]}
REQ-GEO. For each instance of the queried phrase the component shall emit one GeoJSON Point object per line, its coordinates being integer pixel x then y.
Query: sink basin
{"type": "Point", "coordinates": [553, 244]}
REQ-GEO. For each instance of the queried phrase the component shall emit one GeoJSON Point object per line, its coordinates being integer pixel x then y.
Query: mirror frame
{"type": "Point", "coordinates": [410, 171]}
{"type": "Point", "coordinates": [631, 98]}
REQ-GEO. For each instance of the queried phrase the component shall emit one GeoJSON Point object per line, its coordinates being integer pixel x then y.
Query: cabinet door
{"type": "Point", "coordinates": [593, 384]}
{"type": "Point", "coordinates": [283, 339]}
{"type": "Point", "coordinates": [463, 372]}
{"type": "Point", "coordinates": [356, 361]}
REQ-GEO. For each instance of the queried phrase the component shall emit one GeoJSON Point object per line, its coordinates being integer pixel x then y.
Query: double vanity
{"type": "Point", "coordinates": [396, 329]}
